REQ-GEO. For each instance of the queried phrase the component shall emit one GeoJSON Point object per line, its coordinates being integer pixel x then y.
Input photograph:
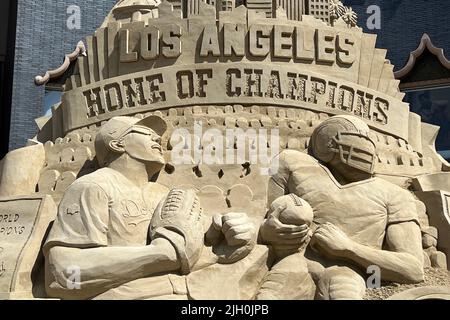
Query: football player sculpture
{"type": "Point", "coordinates": [360, 220]}
{"type": "Point", "coordinates": [115, 216]}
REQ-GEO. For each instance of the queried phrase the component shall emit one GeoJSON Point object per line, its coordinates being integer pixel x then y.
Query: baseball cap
{"type": "Point", "coordinates": [116, 127]}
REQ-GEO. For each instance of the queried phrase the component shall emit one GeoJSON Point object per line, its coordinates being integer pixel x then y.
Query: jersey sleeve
{"type": "Point", "coordinates": [82, 220]}
{"type": "Point", "coordinates": [402, 207]}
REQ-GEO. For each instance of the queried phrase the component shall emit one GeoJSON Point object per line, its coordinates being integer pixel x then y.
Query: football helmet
{"type": "Point", "coordinates": [347, 137]}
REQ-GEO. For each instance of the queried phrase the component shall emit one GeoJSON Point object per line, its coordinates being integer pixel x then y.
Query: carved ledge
{"type": "Point", "coordinates": [52, 74]}
{"type": "Point", "coordinates": [425, 43]}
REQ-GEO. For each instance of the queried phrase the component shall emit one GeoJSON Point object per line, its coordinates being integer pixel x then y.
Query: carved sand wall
{"type": "Point", "coordinates": [235, 69]}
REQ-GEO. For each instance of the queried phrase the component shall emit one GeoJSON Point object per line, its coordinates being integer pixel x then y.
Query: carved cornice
{"type": "Point", "coordinates": [425, 43]}
{"type": "Point", "coordinates": [51, 74]}
{"type": "Point", "coordinates": [133, 5]}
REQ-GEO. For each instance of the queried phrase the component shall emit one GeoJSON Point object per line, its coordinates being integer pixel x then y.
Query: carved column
{"type": "Point", "coordinates": [294, 8]}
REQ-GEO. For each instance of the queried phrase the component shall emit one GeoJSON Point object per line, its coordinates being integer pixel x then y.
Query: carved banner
{"type": "Point", "coordinates": [237, 57]}
{"type": "Point", "coordinates": [23, 223]}
{"type": "Point", "coordinates": [231, 83]}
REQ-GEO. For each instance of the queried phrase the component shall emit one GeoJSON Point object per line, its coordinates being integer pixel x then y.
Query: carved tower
{"type": "Point", "coordinates": [294, 8]}
{"type": "Point", "coordinates": [265, 6]}
{"type": "Point", "coordinates": [319, 9]}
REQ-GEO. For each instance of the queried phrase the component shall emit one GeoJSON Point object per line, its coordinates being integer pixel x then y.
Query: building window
{"type": "Point", "coordinates": [425, 80]}
{"type": "Point", "coordinates": [51, 97]}
{"type": "Point", "coordinates": [433, 105]}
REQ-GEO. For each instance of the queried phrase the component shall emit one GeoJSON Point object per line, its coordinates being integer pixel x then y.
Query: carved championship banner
{"type": "Point", "coordinates": [243, 58]}
{"type": "Point", "coordinates": [231, 83]}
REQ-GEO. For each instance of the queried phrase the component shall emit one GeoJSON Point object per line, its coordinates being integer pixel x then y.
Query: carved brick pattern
{"type": "Point", "coordinates": [66, 159]}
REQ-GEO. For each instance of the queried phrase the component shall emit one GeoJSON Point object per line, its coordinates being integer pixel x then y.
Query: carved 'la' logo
{"type": "Point", "coordinates": [134, 213]}
{"type": "Point", "coordinates": [132, 209]}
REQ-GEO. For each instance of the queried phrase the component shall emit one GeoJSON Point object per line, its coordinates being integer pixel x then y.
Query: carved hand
{"type": "Point", "coordinates": [276, 233]}
{"type": "Point", "coordinates": [233, 236]}
{"type": "Point", "coordinates": [331, 241]}
{"type": "Point", "coordinates": [236, 227]}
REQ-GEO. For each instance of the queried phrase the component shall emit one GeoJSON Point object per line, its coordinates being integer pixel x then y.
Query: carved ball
{"type": "Point", "coordinates": [298, 212]}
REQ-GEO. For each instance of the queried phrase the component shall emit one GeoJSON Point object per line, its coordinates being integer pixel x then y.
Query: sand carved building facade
{"type": "Point", "coordinates": [305, 75]}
